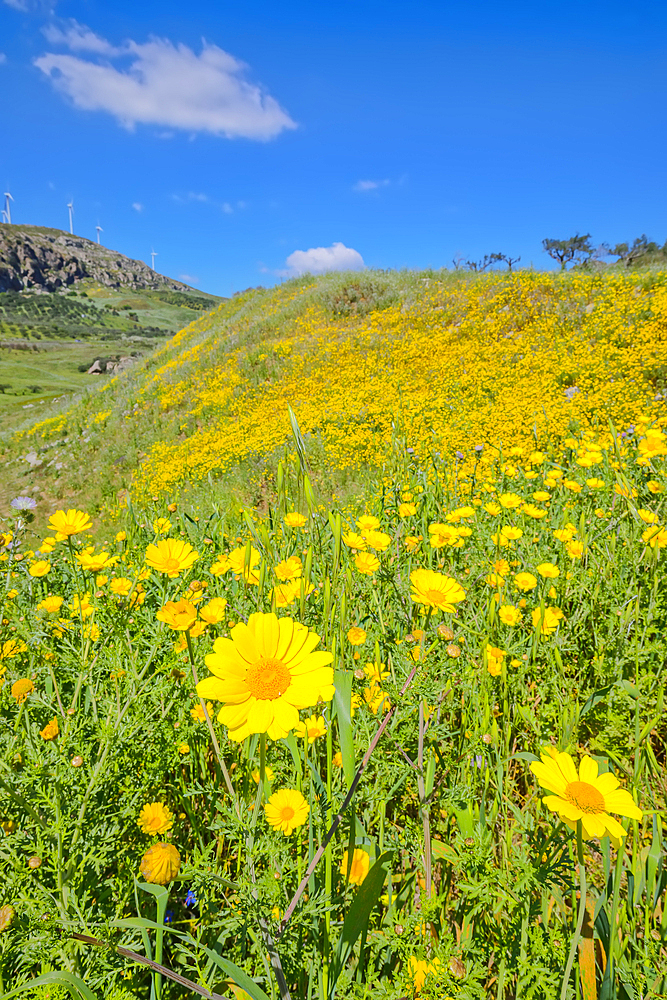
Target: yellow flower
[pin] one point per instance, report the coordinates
(72, 522)
(377, 672)
(12, 647)
(265, 673)
(155, 818)
(627, 492)
(548, 570)
(240, 567)
(572, 485)
(6, 916)
(407, 509)
(565, 534)
(160, 864)
(21, 689)
(655, 536)
(494, 580)
(575, 549)
(541, 496)
(412, 542)
(434, 590)
(180, 615)
(509, 615)
(361, 862)
(220, 566)
(356, 636)
(510, 501)
(654, 487)
(586, 796)
(377, 540)
(354, 541)
(367, 523)
(494, 660)
(366, 563)
(214, 611)
(337, 759)
(648, 517)
(269, 774)
(40, 568)
(183, 748)
(121, 536)
(420, 969)
(120, 586)
(377, 699)
(90, 632)
(91, 562)
(289, 569)
(547, 619)
(294, 520)
(286, 810)
(51, 605)
(595, 483)
(161, 526)
(197, 712)
(511, 532)
(525, 581)
(492, 508)
(533, 511)
(444, 534)
(171, 556)
(286, 593)
(312, 728)
(50, 730)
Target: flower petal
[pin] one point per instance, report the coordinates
(588, 770)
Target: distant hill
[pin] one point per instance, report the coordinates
(33, 257)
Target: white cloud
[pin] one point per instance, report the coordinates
(188, 279)
(137, 206)
(3, 57)
(79, 38)
(369, 185)
(317, 260)
(190, 196)
(164, 84)
(227, 208)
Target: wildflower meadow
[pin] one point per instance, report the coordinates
(354, 687)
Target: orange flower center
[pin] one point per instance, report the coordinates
(585, 797)
(434, 596)
(287, 813)
(268, 679)
(171, 565)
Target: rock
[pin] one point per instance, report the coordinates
(96, 368)
(49, 259)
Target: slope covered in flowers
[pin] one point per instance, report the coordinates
(178, 765)
(435, 363)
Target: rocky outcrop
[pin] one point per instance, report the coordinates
(49, 259)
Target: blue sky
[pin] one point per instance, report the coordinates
(233, 139)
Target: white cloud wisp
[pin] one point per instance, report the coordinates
(164, 84)
(318, 260)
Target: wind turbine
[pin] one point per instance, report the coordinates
(70, 205)
(153, 256)
(99, 230)
(8, 211)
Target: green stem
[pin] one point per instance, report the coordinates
(582, 911)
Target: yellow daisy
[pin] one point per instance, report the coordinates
(286, 810)
(586, 796)
(264, 674)
(435, 590)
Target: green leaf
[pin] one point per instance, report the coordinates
(343, 703)
(357, 916)
(443, 852)
(524, 755)
(76, 986)
(237, 975)
(595, 699)
(629, 689)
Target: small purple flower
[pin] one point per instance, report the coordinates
(23, 503)
(411, 451)
(191, 899)
(479, 761)
(479, 448)
(169, 917)
(460, 455)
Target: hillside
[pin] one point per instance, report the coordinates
(49, 259)
(72, 304)
(375, 365)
